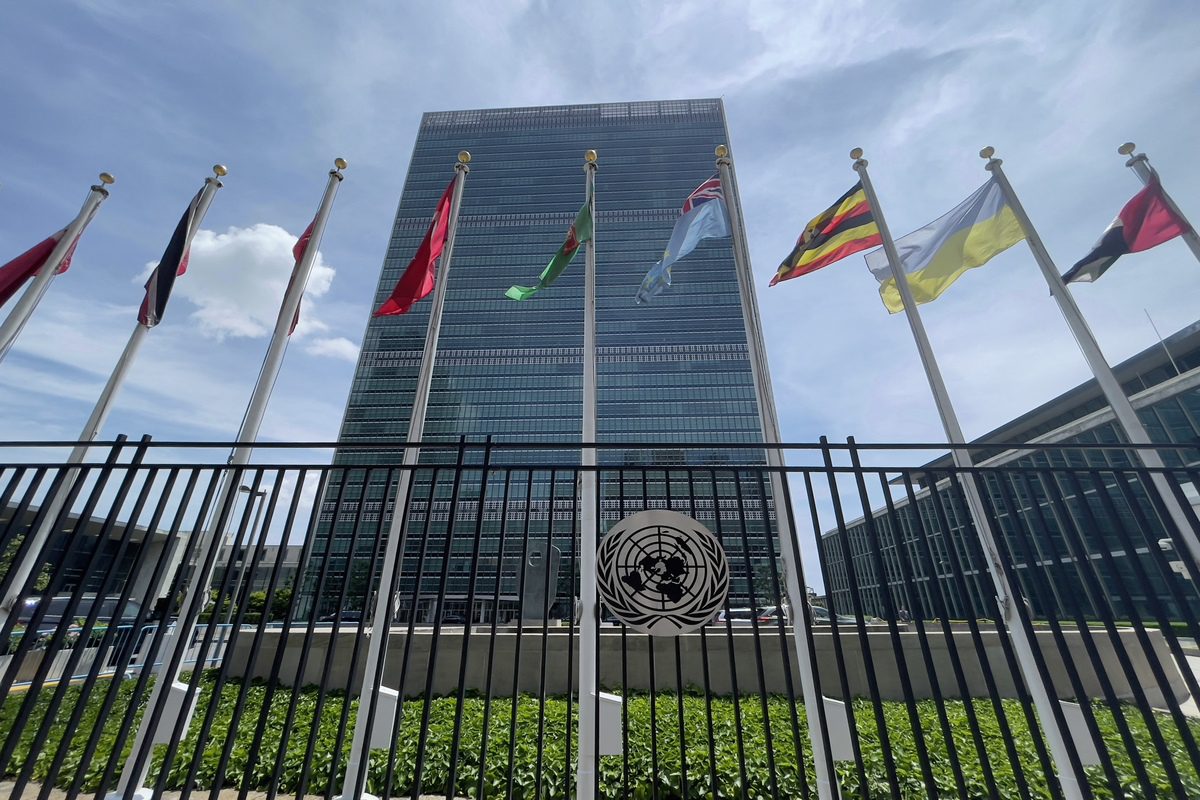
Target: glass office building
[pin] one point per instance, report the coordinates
(674, 371)
(1163, 383)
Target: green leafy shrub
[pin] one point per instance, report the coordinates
(659, 758)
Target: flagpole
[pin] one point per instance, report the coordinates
(354, 784)
(585, 779)
(133, 779)
(768, 415)
(91, 429)
(1127, 418)
(1049, 711)
(29, 300)
(1140, 165)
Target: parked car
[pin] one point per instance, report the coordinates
(772, 614)
(736, 616)
(820, 616)
(345, 615)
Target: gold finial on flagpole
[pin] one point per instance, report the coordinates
(1127, 149)
(464, 157)
(987, 152)
(107, 179)
(340, 163)
(857, 155)
(590, 156)
(220, 171)
(722, 151)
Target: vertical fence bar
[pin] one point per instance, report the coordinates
(130, 717)
(107, 640)
(541, 731)
(1038, 591)
(415, 602)
(65, 622)
(73, 479)
(783, 618)
(461, 693)
(516, 681)
(319, 599)
(284, 638)
(754, 612)
(318, 594)
(258, 529)
(856, 595)
(376, 537)
(147, 665)
(481, 787)
(889, 608)
(439, 610)
(575, 582)
(1162, 616)
(1108, 619)
(958, 571)
(909, 567)
(225, 593)
(834, 629)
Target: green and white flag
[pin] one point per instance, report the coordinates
(580, 232)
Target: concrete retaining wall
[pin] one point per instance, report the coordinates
(731, 662)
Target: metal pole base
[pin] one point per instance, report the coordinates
(173, 711)
(141, 793)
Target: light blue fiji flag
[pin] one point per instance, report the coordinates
(704, 217)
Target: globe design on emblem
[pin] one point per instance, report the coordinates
(662, 573)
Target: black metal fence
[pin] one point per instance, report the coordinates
(921, 686)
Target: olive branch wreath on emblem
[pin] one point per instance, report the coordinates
(697, 610)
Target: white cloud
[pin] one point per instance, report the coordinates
(339, 347)
(238, 278)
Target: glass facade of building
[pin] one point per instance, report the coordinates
(1166, 391)
(674, 371)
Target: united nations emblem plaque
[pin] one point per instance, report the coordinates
(662, 573)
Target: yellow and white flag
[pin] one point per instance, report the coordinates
(933, 257)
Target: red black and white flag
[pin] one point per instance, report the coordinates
(173, 264)
(418, 278)
(1146, 221)
(17, 272)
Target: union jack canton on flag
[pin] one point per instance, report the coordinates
(703, 217)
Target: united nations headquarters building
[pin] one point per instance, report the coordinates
(555, 550)
(676, 369)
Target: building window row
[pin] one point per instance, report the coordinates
(570, 116)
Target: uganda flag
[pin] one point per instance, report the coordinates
(845, 228)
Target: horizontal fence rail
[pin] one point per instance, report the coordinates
(478, 693)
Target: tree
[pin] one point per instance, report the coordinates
(41, 581)
(765, 574)
(256, 602)
(281, 601)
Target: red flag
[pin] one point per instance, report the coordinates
(298, 252)
(15, 273)
(418, 278)
(302, 243)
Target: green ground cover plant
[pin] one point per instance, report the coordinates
(751, 770)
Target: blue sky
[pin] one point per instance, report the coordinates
(157, 92)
